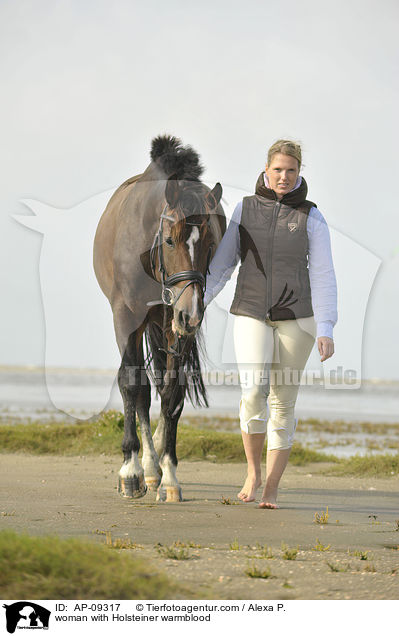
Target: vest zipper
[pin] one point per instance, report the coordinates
(276, 210)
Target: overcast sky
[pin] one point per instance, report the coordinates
(87, 85)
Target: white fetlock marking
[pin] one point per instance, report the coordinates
(150, 463)
(159, 437)
(150, 459)
(131, 467)
(168, 473)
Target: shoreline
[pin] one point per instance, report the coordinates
(109, 371)
(338, 422)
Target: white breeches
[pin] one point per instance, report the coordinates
(271, 356)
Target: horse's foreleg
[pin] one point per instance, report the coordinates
(159, 436)
(131, 475)
(152, 470)
(172, 401)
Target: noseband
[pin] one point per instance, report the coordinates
(167, 282)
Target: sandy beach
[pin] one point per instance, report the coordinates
(352, 556)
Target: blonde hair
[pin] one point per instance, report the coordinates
(286, 147)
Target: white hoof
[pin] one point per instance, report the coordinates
(169, 493)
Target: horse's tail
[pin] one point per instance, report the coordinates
(155, 364)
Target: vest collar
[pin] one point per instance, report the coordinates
(292, 199)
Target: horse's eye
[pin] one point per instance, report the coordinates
(169, 241)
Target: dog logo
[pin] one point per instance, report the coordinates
(26, 615)
(292, 227)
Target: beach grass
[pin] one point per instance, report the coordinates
(367, 466)
(344, 427)
(103, 435)
(49, 567)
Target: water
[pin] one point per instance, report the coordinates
(24, 393)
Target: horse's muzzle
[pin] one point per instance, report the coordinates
(185, 324)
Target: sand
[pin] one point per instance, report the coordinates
(77, 497)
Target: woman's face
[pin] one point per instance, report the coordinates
(282, 173)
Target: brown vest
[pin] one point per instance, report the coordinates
(273, 279)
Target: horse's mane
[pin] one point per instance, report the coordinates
(174, 158)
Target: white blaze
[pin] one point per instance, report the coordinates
(191, 241)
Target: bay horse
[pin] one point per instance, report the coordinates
(152, 250)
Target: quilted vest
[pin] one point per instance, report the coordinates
(273, 278)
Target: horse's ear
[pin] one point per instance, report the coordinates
(172, 192)
(213, 197)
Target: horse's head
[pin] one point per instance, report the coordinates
(185, 246)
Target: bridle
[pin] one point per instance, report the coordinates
(181, 345)
(168, 295)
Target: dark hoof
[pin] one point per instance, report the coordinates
(169, 493)
(133, 487)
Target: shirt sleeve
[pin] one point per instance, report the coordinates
(323, 283)
(225, 259)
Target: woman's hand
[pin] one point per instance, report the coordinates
(326, 347)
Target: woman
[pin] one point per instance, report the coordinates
(286, 295)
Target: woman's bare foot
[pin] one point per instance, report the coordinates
(269, 499)
(249, 489)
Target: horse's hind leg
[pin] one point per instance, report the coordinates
(172, 402)
(131, 475)
(152, 470)
(159, 435)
